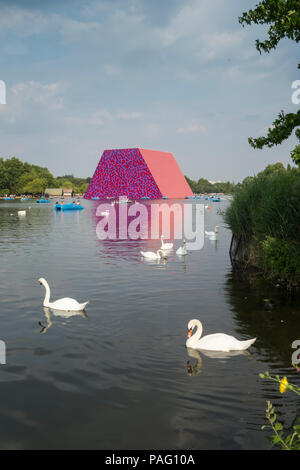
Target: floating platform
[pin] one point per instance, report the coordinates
(67, 207)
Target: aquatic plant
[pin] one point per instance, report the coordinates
(289, 440)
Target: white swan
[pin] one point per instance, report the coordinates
(212, 234)
(182, 249)
(151, 255)
(165, 246)
(66, 304)
(215, 342)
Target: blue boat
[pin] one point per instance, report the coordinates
(216, 199)
(67, 207)
(25, 198)
(8, 198)
(43, 201)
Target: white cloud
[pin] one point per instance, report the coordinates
(44, 95)
(193, 126)
(29, 101)
(129, 116)
(25, 22)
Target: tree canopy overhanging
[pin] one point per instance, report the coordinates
(283, 20)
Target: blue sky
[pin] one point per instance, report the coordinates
(181, 76)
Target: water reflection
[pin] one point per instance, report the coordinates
(130, 351)
(224, 354)
(275, 329)
(196, 368)
(160, 261)
(195, 353)
(131, 228)
(58, 313)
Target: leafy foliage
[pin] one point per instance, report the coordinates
(283, 18)
(17, 177)
(289, 440)
(265, 211)
(204, 186)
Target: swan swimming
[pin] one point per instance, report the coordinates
(214, 342)
(151, 255)
(66, 304)
(212, 234)
(182, 249)
(165, 246)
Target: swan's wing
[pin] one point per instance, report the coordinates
(219, 342)
(148, 254)
(67, 304)
(181, 251)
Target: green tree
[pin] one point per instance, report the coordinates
(4, 177)
(272, 169)
(36, 186)
(13, 171)
(83, 187)
(283, 20)
(66, 184)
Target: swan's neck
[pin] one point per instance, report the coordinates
(47, 295)
(197, 335)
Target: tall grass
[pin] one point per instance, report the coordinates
(266, 211)
(268, 205)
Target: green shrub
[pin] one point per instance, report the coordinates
(266, 212)
(267, 205)
(280, 258)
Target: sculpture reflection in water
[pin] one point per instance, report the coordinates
(57, 313)
(131, 228)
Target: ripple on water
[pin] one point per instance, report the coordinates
(124, 366)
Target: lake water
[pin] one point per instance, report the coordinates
(117, 377)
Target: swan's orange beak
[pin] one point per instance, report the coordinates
(189, 333)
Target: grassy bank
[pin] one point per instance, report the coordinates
(265, 214)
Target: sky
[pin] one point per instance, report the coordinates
(181, 76)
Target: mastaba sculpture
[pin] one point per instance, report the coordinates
(137, 173)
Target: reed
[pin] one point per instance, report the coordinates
(266, 211)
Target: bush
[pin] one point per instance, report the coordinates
(280, 258)
(265, 211)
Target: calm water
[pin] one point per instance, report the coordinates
(117, 377)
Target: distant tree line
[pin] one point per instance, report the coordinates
(203, 186)
(17, 177)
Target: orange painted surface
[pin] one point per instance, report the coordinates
(167, 174)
